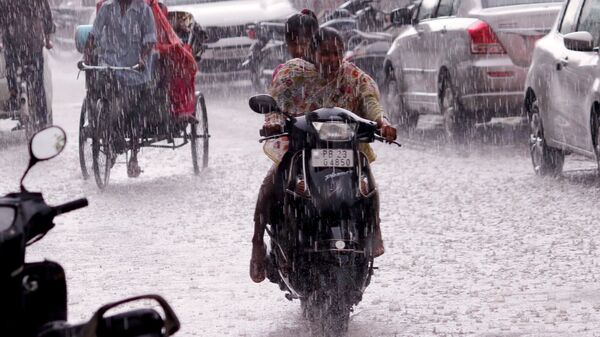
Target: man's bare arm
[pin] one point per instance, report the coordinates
(89, 49)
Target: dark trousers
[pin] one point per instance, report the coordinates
(32, 71)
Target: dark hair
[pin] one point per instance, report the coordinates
(328, 34)
(300, 25)
(310, 13)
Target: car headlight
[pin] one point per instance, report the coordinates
(7, 217)
(334, 131)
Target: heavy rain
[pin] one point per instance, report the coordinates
(300, 168)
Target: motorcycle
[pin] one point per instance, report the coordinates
(266, 52)
(321, 229)
(34, 295)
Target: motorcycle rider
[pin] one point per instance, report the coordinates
(299, 87)
(299, 30)
(26, 28)
(126, 34)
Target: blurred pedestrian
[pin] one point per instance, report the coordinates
(26, 28)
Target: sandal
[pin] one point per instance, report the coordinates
(257, 264)
(378, 248)
(133, 169)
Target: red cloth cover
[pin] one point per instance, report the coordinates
(178, 63)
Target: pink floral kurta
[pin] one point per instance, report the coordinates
(298, 89)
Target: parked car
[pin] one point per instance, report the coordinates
(464, 59)
(229, 39)
(5, 94)
(562, 96)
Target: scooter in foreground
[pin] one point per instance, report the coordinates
(34, 295)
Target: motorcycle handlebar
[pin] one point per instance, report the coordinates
(135, 323)
(70, 206)
(82, 66)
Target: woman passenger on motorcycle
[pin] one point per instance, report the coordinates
(332, 82)
(299, 30)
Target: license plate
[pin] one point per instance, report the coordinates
(332, 158)
(231, 53)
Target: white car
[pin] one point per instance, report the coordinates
(4, 93)
(227, 24)
(464, 59)
(562, 97)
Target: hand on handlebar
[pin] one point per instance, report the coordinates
(388, 132)
(270, 129)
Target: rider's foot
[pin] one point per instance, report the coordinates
(133, 168)
(257, 262)
(378, 248)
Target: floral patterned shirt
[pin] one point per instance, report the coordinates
(298, 89)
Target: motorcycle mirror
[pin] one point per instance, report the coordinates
(172, 324)
(44, 145)
(263, 104)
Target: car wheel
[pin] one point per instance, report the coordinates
(596, 134)
(457, 126)
(394, 105)
(547, 161)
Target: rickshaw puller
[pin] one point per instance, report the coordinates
(125, 34)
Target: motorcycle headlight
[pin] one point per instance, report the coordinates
(7, 217)
(334, 131)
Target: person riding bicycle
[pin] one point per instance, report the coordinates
(124, 35)
(26, 28)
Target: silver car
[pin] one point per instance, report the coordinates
(562, 96)
(464, 59)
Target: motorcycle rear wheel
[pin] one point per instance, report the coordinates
(329, 317)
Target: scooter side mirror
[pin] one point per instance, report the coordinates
(47, 143)
(44, 145)
(263, 104)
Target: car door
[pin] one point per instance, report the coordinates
(419, 45)
(556, 122)
(578, 75)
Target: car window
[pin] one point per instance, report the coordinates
(455, 7)
(445, 8)
(502, 3)
(426, 9)
(569, 19)
(589, 20)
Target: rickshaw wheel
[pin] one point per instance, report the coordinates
(101, 145)
(199, 136)
(85, 139)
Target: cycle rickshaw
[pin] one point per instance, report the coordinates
(100, 143)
